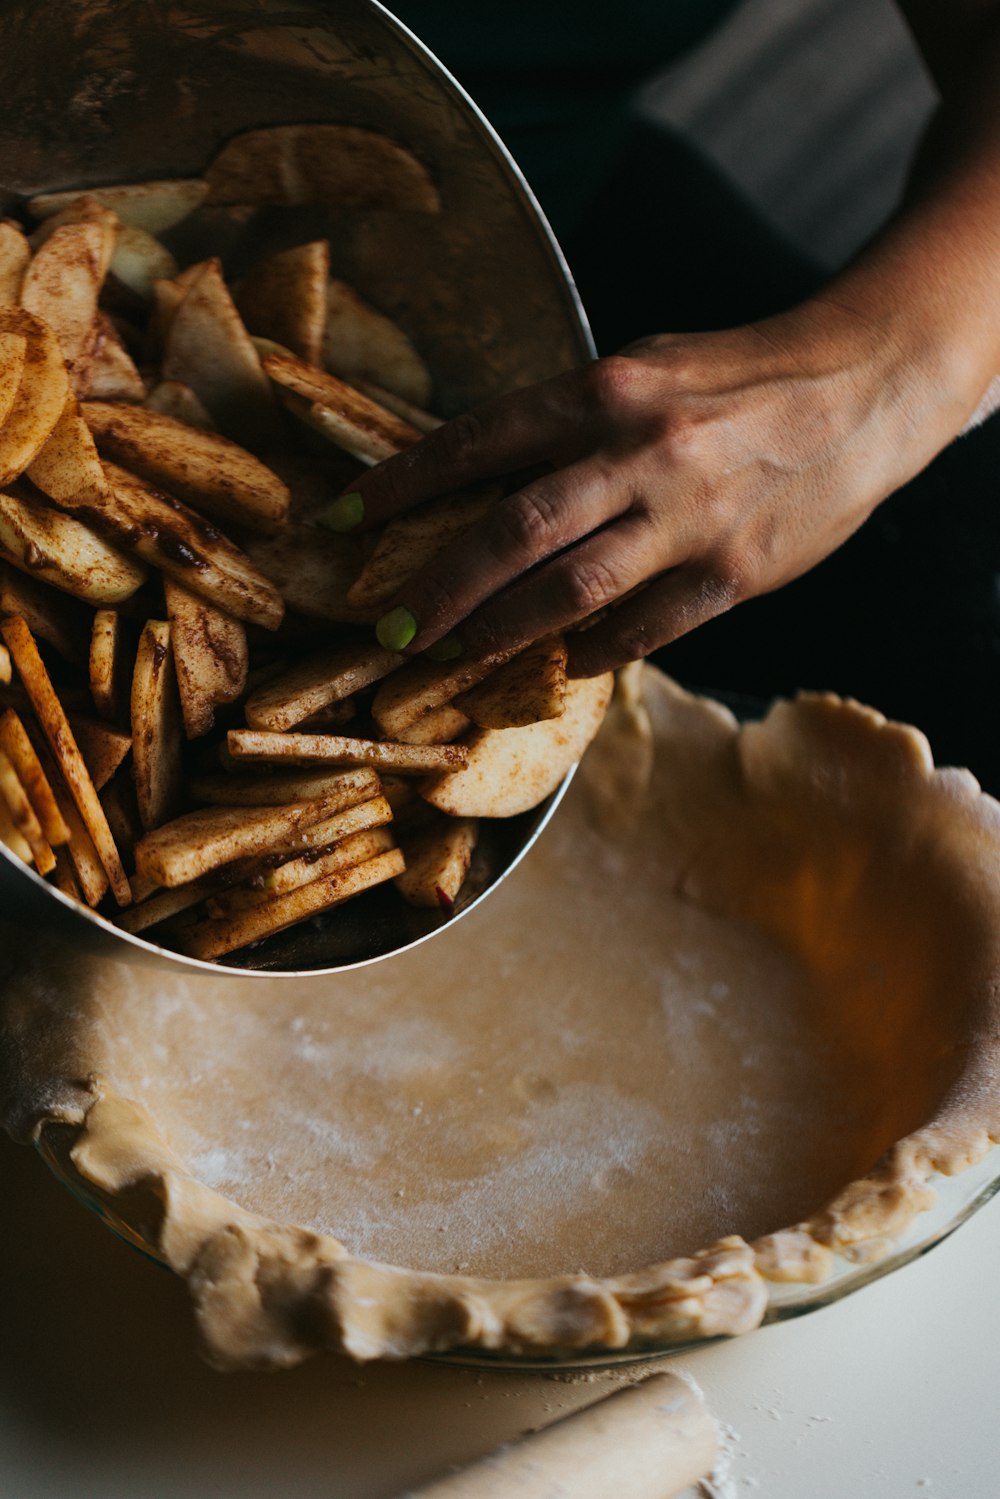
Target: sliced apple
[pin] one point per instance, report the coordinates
(203, 469)
(437, 726)
(214, 938)
(337, 749)
(53, 616)
(284, 298)
(344, 166)
(112, 375)
(103, 748)
(22, 814)
(208, 348)
(184, 546)
(173, 398)
(156, 728)
(61, 287)
(424, 421)
(198, 842)
(210, 656)
(302, 871)
(55, 726)
(342, 414)
(41, 393)
(13, 350)
(409, 541)
(362, 343)
(512, 770)
(84, 209)
(140, 260)
(109, 666)
(57, 549)
(153, 206)
(67, 468)
(15, 252)
(437, 856)
(313, 684)
(421, 686)
(528, 689)
(313, 569)
(355, 785)
(17, 746)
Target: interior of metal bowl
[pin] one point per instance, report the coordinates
(97, 94)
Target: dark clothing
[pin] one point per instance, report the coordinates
(906, 615)
(555, 78)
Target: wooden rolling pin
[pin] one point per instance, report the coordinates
(649, 1441)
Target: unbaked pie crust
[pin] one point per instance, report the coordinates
(745, 966)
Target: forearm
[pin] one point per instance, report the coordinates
(698, 470)
(929, 283)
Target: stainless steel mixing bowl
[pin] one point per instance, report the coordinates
(98, 93)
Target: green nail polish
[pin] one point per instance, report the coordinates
(448, 648)
(396, 629)
(345, 513)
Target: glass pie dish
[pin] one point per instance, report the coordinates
(720, 1052)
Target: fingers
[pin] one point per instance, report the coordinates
(666, 608)
(599, 571)
(520, 532)
(512, 432)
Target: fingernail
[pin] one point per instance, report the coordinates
(396, 629)
(448, 648)
(344, 513)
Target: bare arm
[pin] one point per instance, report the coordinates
(694, 471)
(936, 265)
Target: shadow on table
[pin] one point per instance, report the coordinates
(102, 1392)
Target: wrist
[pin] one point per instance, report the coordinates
(927, 305)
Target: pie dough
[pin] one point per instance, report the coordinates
(742, 994)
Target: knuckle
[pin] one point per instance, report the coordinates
(635, 640)
(725, 584)
(588, 585)
(682, 364)
(393, 483)
(458, 440)
(685, 435)
(483, 636)
(523, 526)
(437, 600)
(612, 382)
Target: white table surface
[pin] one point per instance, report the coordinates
(893, 1393)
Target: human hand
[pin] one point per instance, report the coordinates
(681, 477)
